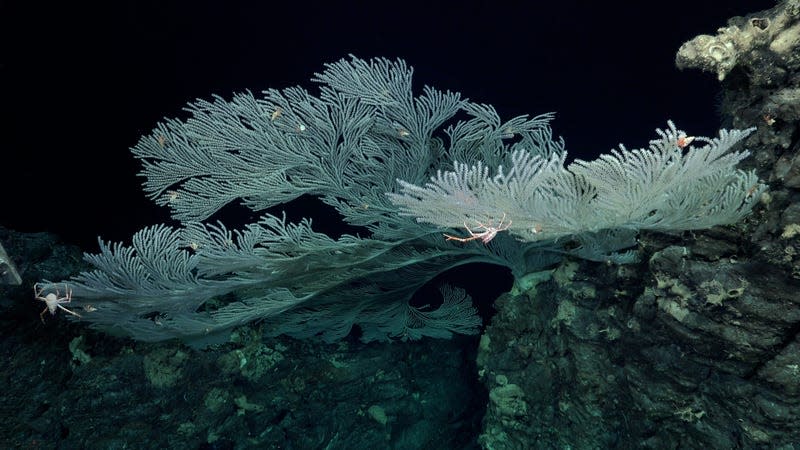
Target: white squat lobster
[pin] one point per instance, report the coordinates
(53, 300)
(485, 236)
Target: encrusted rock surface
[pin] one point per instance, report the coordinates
(698, 345)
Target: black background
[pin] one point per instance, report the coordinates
(80, 83)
